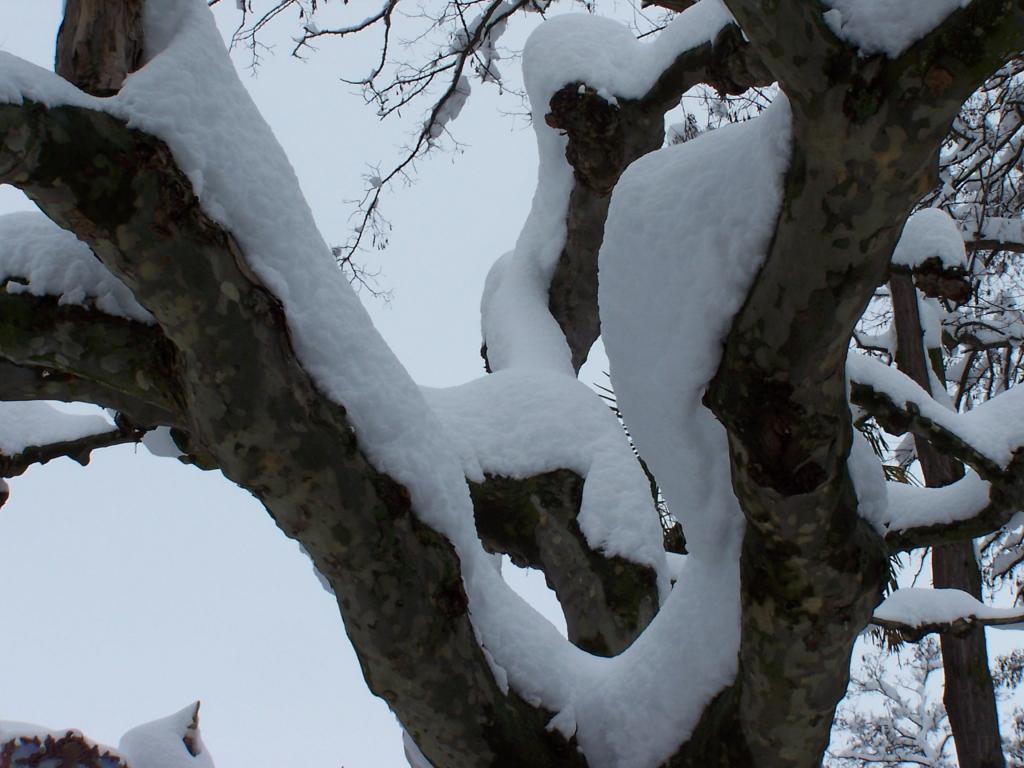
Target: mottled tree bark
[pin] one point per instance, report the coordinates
(866, 132)
(100, 43)
(969, 695)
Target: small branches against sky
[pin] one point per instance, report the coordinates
(471, 51)
(440, 53)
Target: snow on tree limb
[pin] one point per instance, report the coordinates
(274, 357)
(35, 433)
(207, 300)
(986, 437)
(69, 353)
(39, 258)
(556, 486)
(542, 297)
(915, 612)
(520, 424)
(995, 233)
(877, 26)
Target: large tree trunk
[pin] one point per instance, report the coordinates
(969, 695)
(99, 44)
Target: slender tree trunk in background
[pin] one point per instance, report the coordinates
(969, 694)
(99, 44)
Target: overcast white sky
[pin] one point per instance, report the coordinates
(133, 586)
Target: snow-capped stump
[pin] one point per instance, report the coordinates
(170, 742)
(592, 123)
(932, 247)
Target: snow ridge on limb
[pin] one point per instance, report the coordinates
(24, 425)
(664, 268)
(556, 487)
(887, 26)
(995, 233)
(662, 272)
(518, 424)
(988, 439)
(36, 432)
(930, 233)
(915, 612)
(39, 258)
(518, 327)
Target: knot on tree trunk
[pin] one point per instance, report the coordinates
(939, 281)
(593, 123)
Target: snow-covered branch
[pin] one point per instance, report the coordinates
(70, 353)
(995, 234)
(915, 612)
(986, 438)
(275, 358)
(35, 433)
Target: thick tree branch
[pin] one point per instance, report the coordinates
(85, 355)
(20, 383)
(603, 139)
(865, 140)
(607, 601)
(791, 39)
(99, 43)
(251, 406)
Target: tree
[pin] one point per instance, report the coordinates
(197, 300)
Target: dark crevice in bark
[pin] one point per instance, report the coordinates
(718, 740)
